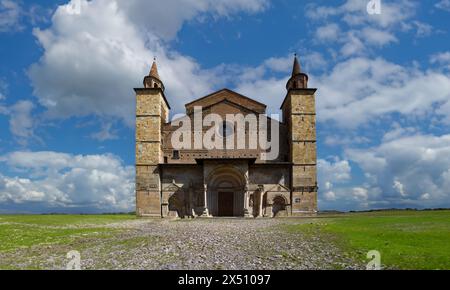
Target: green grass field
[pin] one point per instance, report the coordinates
(405, 239)
(17, 231)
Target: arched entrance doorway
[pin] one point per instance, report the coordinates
(226, 192)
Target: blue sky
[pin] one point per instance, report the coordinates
(67, 104)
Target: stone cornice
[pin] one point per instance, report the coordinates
(152, 90)
(305, 92)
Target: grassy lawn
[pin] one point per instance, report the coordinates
(405, 239)
(17, 231)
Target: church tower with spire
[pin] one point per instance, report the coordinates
(191, 181)
(153, 80)
(299, 115)
(152, 112)
(298, 80)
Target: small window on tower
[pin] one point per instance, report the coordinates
(176, 154)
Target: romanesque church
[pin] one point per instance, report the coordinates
(224, 182)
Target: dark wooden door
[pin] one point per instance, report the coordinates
(226, 201)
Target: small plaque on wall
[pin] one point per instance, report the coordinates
(303, 180)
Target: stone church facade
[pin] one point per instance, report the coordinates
(226, 182)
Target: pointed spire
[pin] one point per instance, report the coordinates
(296, 69)
(298, 80)
(153, 81)
(154, 70)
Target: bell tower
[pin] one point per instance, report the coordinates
(298, 79)
(152, 111)
(299, 114)
(153, 81)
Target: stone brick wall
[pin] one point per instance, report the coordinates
(151, 113)
(228, 103)
(299, 114)
(176, 187)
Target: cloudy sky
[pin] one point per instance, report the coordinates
(67, 105)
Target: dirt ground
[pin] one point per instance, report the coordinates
(204, 244)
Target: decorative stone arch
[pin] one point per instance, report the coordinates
(279, 204)
(227, 171)
(226, 180)
(175, 206)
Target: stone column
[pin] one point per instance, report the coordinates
(205, 201)
(261, 194)
(191, 201)
(246, 197)
(269, 210)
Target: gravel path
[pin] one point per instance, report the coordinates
(205, 244)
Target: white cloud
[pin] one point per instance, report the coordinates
(399, 187)
(106, 133)
(166, 18)
(61, 181)
(68, 83)
(444, 5)
(260, 83)
(423, 29)
(377, 37)
(355, 41)
(329, 32)
(405, 168)
(333, 171)
(358, 90)
(21, 121)
(357, 32)
(360, 193)
(93, 59)
(10, 14)
(282, 64)
(333, 140)
(330, 195)
(264, 90)
(3, 88)
(354, 13)
(14, 15)
(353, 45)
(442, 59)
(398, 131)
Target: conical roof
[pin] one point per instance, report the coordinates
(154, 71)
(296, 68)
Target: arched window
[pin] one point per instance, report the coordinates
(279, 204)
